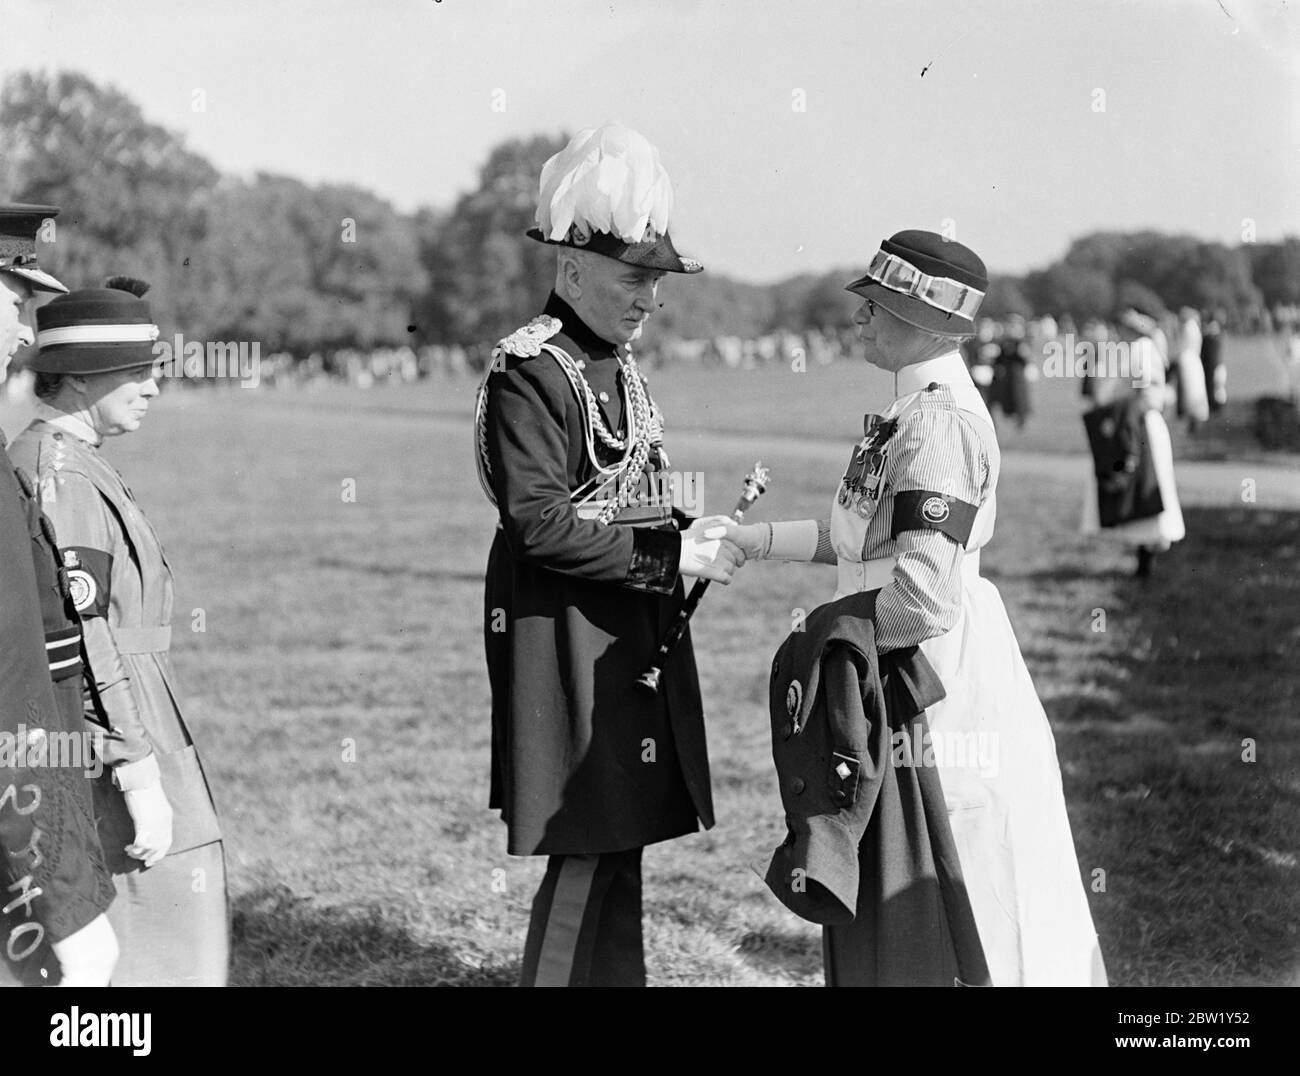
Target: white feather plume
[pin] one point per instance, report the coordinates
(607, 179)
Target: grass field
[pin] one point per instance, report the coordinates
(340, 699)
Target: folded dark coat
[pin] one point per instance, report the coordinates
(868, 825)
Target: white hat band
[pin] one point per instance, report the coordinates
(941, 292)
(98, 334)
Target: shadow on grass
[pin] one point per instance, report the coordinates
(280, 939)
(1185, 797)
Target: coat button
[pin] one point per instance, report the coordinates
(841, 795)
(787, 730)
(796, 785)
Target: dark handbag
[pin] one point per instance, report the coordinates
(1127, 488)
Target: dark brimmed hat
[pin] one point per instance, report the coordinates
(656, 253)
(926, 280)
(19, 224)
(94, 331)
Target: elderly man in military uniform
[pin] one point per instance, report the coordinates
(914, 507)
(54, 884)
(585, 572)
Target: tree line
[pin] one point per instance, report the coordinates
(314, 268)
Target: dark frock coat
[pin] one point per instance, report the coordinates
(582, 760)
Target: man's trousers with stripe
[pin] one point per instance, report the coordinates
(586, 923)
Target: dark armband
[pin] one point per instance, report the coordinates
(924, 509)
(89, 573)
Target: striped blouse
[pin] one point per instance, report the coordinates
(944, 446)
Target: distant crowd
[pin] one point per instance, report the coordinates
(1005, 358)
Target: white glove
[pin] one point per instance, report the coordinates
(152, 815)
(752, 538)
(710, 558)
(87, 958)
(705, 523)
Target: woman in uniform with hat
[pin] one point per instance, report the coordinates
(157, 821)
(914, 508)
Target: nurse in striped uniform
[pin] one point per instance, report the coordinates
(914, 508)
(157, 822)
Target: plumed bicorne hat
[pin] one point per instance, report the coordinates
(96, 330)
(926, 280)
(607, 192)
(19, 224)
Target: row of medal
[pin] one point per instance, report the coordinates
(860, 487)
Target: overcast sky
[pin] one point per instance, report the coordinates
(797, 134)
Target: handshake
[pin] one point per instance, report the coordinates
(714, 547)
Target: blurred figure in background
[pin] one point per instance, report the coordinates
(1094, 385)
(981, 352)
(1216, 373)
(1193, 401)
(1293, 362)
(1131, 495)
(1010, 379)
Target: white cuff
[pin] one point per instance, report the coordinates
(794, 539)
(133, 776)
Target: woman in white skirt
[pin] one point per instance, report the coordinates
(908, 520)
(1155, 533)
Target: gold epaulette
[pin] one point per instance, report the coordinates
(528, 340)
(524, 342)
